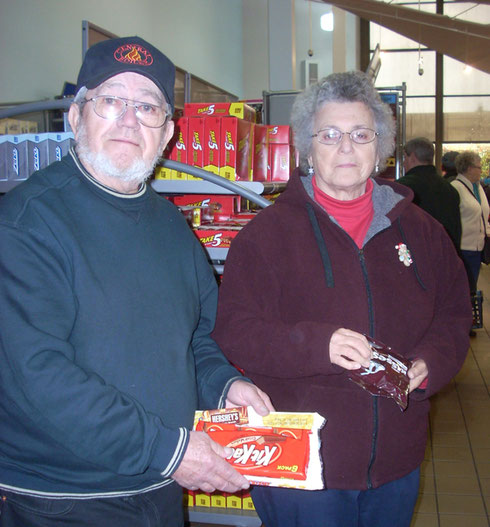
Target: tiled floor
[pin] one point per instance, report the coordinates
(455, 487)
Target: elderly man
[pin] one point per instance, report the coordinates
(431, 191)
(106, 307)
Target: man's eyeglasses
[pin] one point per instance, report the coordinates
(112, 107)
(332, 136)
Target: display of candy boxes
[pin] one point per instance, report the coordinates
(220, 109)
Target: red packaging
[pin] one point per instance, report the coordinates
(217, 235)
(279, 134)
(220, 109)
(236, 149)
(196, 140)
(274, 452)
(189, 498)
(280, 449)
(247, 502)
(212, 129)
(233, 501)
(215, 207)
(280, 162)
(260, 157)
(176, 150)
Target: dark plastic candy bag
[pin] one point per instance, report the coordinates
(386, 375)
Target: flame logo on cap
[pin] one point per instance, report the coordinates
(133, 54)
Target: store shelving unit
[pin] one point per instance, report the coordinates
(214, 184)
(175, 186)
(8, 184)
(215, 516)
(170, 186)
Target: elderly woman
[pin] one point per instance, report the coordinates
(341, 255)
(474, 210)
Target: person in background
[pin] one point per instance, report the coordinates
(486, 187)
(338, 256)
(448, 168)
(107, 302)
(431, 192)
(474, 210)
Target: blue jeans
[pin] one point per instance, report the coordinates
(390, 505)
(158, 508)
(472, 263)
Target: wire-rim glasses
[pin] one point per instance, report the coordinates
(333, 136)
(112, 108)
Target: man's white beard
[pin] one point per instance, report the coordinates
(137, 172)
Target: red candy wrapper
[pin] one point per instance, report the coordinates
(281, 449)
(386, 375)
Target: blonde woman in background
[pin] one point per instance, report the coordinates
(474, 211)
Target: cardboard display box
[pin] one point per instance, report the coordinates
(220, 109)
(177, 150)
(236, 149)
(260, 156)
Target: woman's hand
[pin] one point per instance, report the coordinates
(417, 373)
(349, 349)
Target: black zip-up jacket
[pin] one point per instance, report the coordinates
(436, 196)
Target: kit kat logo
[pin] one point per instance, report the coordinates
(133, 54)
(250, 455)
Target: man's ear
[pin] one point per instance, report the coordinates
(168, 132)
(74, 118)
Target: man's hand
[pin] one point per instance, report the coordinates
(243, 393)
(204, 467)
(349, 349)
(417, 373)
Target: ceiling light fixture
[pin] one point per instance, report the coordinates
(326, 22)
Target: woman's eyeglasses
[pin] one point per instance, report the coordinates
(332, 136)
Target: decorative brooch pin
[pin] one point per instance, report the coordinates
(404, 254)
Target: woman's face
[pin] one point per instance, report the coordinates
(473, 173)
(341, 170)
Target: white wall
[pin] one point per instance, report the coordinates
(257, 43)
(225, 42)
(321, 41)
(41, 42)
(255, 48)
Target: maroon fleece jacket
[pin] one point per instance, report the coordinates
(293, 277)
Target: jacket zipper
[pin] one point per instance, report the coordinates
(374, 437)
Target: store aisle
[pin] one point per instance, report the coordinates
(455, 487)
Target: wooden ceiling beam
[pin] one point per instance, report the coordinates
(465, 41)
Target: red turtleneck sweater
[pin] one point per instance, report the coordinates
(354, 215)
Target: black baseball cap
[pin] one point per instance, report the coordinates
(118, 55)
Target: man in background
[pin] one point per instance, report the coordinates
(448, 167)
(107, 302)
(431, 192)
